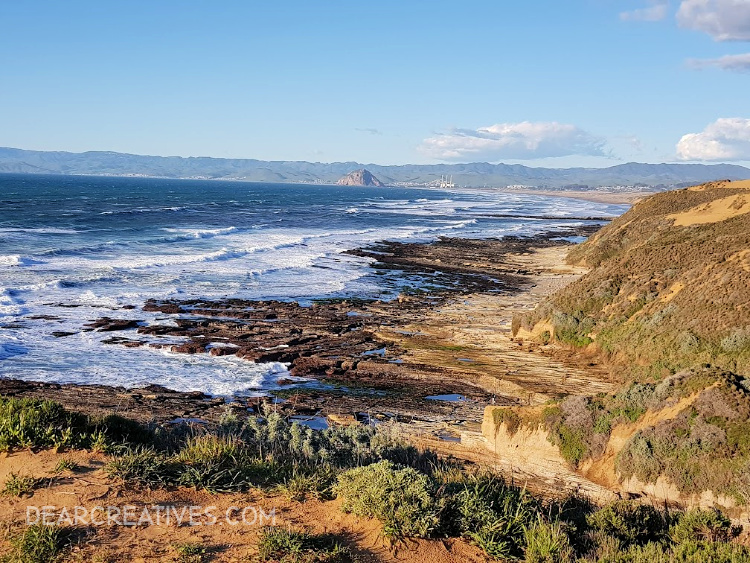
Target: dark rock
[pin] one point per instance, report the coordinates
(105, 324)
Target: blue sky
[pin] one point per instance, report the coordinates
(581, 82)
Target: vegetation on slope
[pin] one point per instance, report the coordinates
(668, 285)
(666, 302)
(413, 494)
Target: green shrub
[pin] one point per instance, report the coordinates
(34, 423)
(40, 544)
(702, 525)
(190, 552)
(629, 522)
(710, 552)
(492, 514)
(400, 497)
(547, 542)
(18, 486)
(31, 423)
(289, 546)
(572, 444)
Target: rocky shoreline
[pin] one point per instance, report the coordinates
(343, 368)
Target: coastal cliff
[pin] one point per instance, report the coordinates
(665, 306)
(667, 289)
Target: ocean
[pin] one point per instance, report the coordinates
(76, 248)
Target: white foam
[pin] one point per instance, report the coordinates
(262, 261)
(11, 260)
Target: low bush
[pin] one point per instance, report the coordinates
(20, 485)
(289, 546)
(702, 525)
(492, 514)
(630, 523)
(34, 423)
(40, 544)
(548, 542)
(402, 498)
(264, 453)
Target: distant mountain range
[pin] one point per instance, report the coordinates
(477, 174)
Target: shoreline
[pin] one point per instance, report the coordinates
(612, 197)
(454, 340)
(368, 360)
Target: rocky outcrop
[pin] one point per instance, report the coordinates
(360, 178)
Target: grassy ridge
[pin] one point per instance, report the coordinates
(666, 302)
(660, 297)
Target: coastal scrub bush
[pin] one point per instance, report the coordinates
(17, 485)
(547, 542)
(31, 423)
(263, 452)
(572, 329)
(738, 340)
(34, 423)
(290, 546)
(567, 429)
(40, 543)
(630, 522)
(702, 525)
(402, 498)
(492, 514)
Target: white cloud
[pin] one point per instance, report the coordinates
(656, 12)
(725, 139)
(513, 141)
(738, 63)
(724, 20)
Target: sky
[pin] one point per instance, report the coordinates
(536, 82)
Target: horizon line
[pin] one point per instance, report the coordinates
(677, 163)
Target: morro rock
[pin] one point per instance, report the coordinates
(359, 178)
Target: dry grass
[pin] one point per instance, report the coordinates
(661, 297)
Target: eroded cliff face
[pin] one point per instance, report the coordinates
(525, 449)
(525, 453)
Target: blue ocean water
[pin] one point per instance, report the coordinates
(74, 248)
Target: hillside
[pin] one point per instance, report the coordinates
(359, 178)
(469, 175)
(668, 288)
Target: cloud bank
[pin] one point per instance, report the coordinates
(725, 139)
(513, 141)
(724, 20)
(737, 63)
